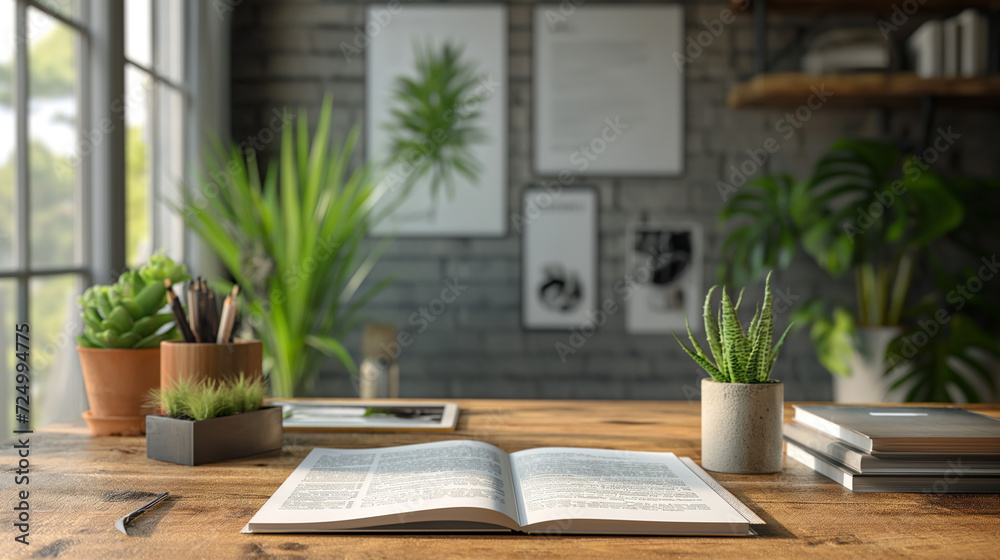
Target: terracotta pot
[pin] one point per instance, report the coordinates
(741, 426)
(118, 383)
(115, 425)
(196, 361)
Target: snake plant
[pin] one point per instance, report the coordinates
(129, 313)
(739, 357)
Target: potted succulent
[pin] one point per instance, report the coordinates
(206, 422)
(119, 348)
(742, 408)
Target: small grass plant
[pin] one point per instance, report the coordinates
(737, 356)
(208, 399)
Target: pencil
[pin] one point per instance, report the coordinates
(225, 323)
(212, 313)
(204, 313)
(179, 318)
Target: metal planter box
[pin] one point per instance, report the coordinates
(195, 442)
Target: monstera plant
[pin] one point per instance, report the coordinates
(949, 346)
(866, 211)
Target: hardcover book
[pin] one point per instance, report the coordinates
(829, 447)
(956, 481)
(461, 485)
(879, 429)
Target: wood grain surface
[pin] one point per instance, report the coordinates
(81, 485)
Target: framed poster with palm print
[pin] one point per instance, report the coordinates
(436, 118)
(559, 257)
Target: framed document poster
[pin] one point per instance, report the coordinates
(466, 195)
(608, 96)
(559, 258)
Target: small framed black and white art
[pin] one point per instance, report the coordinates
(559, 257)
(664, 260)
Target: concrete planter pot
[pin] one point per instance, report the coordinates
(741, 426)
(195, 442)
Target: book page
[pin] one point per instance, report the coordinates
(357, 488)
(560, 488)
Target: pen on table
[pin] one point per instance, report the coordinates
(179, 317)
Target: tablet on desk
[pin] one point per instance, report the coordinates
(369, 415)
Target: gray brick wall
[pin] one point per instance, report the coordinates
(286, 54)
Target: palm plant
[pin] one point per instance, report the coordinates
(739, 357)
(292, 240)
(435, 120)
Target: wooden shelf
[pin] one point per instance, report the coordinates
(863, 90)
(859, 6)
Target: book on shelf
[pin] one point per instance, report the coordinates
(973, 43)
(462, 485)
(957, 480)
(925, 47)
(886, 429)
(829, 447)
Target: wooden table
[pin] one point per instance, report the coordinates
(81, 485)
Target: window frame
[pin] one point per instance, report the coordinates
(23, 271)
(99, 188)
(159, 213)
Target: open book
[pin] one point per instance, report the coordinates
(465, 485)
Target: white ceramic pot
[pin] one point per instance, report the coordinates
(867, 382)
(741, 426)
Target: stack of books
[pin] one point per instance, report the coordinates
(894, 449)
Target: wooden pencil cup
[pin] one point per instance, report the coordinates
(197, 361)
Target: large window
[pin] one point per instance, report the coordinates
(59, 108)
(156, 95)
(44, 249)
